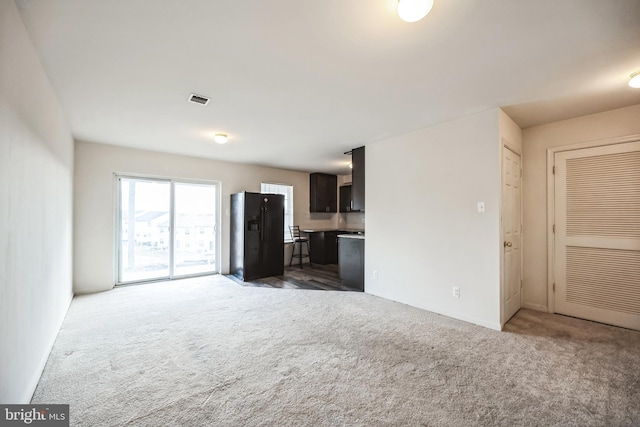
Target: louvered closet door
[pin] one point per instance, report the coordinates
(597, 239)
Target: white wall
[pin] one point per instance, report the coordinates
(36, 167)
(424, 235)
(94, 224)
(351, 221)
(536, 141)
(510, 132)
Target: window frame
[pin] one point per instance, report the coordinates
(217, 242)
(287, 191)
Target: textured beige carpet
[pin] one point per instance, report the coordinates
(208, 351)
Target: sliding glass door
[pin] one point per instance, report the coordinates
(195, 229)
(166, 229)
(144, 220)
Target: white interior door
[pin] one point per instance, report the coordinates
(597, 237)
(512, 234)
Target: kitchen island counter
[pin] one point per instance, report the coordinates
(351, 236)
(340, 230)
(324, 244)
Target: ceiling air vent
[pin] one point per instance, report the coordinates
(198, 99)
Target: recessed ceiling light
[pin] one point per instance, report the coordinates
(414, 10)
(199, 99)
(221, 138)
(634, 80)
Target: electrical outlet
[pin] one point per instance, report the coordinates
(456, 292)
(375, 274)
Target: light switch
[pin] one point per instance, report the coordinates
(481, 207)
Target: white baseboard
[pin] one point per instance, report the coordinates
(453, 315)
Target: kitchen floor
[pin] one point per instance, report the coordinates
(318, 277)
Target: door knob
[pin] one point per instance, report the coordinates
(507, 244)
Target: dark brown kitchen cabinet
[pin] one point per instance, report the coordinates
(357, 179)
(324, 247)
(323, 192)
(351, 262)
(345, 198)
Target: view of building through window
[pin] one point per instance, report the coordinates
(146, 241)
(195, 225)
(287, 192)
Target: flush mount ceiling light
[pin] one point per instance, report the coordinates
(414, 10)
(221, 138)
(634, 80)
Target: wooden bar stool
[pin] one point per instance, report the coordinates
(298, 240)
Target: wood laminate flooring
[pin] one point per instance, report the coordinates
(318, 277)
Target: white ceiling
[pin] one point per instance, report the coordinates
(296, 83)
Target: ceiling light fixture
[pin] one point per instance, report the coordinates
(414, 10)
(348, 153)
(221, 138)
(634, 80)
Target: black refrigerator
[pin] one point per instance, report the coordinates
(257, 235)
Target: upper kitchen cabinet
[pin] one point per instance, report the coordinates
(345, 198)
(357, 179)
(323, 192)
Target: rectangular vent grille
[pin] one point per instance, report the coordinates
(199, 99)
(604, 278)
(603, 195)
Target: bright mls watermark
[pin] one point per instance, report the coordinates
(34, 415)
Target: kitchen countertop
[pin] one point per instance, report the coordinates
(322, 230)
(351, 236)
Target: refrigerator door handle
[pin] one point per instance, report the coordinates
(262, 223)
